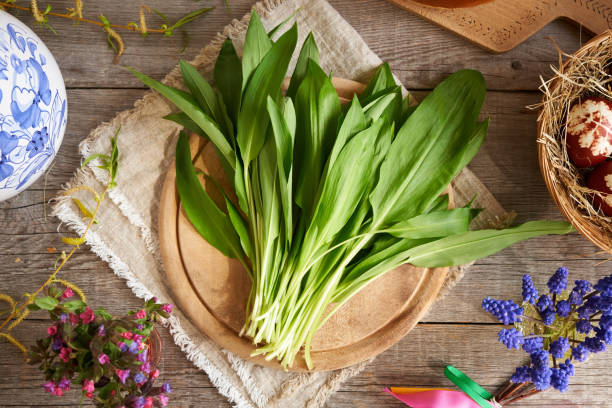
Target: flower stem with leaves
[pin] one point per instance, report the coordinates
(114, 39)
(17, 311)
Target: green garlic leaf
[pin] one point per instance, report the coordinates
(433, 225)
(427, 152)
(382, 79)
(210, 222)
(283, 142)
(189, 106)
(228, 79)
(185, 121)
(308, 52)
(473, 245)
(256, 46)
(267, 78)
(317, 110)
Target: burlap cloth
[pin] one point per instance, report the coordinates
(126, 236)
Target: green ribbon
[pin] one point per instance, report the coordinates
(468, 386)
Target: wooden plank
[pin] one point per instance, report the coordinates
(420, 61)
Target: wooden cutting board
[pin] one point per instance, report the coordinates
(501, 25)
(212, 290)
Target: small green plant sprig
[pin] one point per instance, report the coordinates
(17, 311)
(115, 41)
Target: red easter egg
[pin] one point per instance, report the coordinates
(589, 132)
(600, 179)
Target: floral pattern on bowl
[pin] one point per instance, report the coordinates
(32, 106)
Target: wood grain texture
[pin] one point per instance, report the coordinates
(455, 331)
(501, 25)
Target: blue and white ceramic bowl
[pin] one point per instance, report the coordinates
(32, 106)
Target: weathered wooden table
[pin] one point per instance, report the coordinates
(455, 332)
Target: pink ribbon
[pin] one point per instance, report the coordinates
(432, 398)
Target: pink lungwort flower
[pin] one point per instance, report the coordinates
(49, 386)
(87, 316)
(64, 384)
(167, 308)
(163, 400)
(58, 392)
(141, 314)
(155, 374)
(123, 375)
(127, 335)
(68, 293)
(88, 386)
(103, 359)
(64, 354)
(148, 402)
(51, 331)
(74, 319)
(146, 367)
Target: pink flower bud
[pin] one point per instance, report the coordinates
(127, 335)
(51, 331)
(88, 386)
(103, 359)
(167, 308)
(87, 316)
(163, 400)
(64, 354)
(155, 374)
(74, 319)
(68, 293)
(141, 314)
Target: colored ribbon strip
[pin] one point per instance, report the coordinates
(471, 395)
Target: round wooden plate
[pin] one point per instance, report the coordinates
(212, 290)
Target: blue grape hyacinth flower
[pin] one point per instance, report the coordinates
(506, 311)
(530, 293)
(558, 282)
(511, 338)
(556, 329)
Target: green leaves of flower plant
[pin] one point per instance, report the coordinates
(46, 302)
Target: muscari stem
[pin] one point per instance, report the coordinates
(520, 397)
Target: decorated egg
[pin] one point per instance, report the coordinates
(589, 132)
(600, 179)
(32, 106)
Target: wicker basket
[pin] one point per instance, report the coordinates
(588, 221)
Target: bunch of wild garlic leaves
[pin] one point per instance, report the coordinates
(329, 197)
